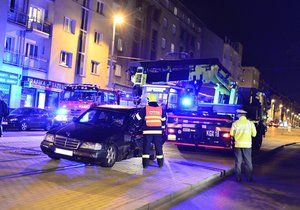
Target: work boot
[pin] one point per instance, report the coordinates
(250, 178)
(145, 162)
(160, 162)
(238, 178)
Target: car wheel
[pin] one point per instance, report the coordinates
(24, 126)
(111, 156)
(53, 157)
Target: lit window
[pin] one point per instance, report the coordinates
(69, 25)
(198, 45)
(188, 20)
(172, 47)
(118, 71)
(95, 67)
(120, 45)
(100, 7)
(174, 29)
(65, 59)
(165, 22)
(175, 11)
(98, 37)
(163, 43)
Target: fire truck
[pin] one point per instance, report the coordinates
(201, 100)
(77, 98)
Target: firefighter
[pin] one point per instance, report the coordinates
(154, 119)
(243, 130)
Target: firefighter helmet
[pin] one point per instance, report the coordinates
(152, 97)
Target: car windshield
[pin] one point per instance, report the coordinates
(103, 117)
(79, 95)
(21, 111)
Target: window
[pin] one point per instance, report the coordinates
(118, 70)
(69, 25)
(98, 37)
(198, 45)
(175, 11)
(174, 29)
(35, 14)
(100, 7)
(65, 59)
(165, 22)
(9, 43)
(172, 47)
(163, 43)
(95, 67)
(31, 50)
(120, 45)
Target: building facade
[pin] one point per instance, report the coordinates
(248, 77)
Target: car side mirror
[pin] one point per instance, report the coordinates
(74, 119)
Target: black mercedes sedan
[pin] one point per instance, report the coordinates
(102, 135)
(28, 118)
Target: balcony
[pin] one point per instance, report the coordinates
(16, 59)
(12, 58)
(40, 26)
(35, 63)
(17, 17)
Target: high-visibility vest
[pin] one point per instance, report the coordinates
(153, 116)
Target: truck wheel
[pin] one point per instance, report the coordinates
(111, 157)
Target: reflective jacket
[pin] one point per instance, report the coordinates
(154, 119)
(243, 130)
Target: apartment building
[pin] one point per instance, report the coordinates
(248, 76)
(154, 30)
(48, 44)
(232, 57)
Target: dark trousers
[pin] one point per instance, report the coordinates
(156, 139)
(243, 154)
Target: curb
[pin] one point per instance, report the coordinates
(203, 184)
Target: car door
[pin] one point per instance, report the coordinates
(43, 118)
(32, 118)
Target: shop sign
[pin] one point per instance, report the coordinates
(31, 82)
(9, 78)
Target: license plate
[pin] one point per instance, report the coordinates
(210, 133)
(63, 152)
(4, 123)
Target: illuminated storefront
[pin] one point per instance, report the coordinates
(40, 93)
(7, 83)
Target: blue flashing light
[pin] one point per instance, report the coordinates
(62, 111)
(187, 101)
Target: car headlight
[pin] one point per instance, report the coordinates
(13, 119)
(61, 118)
(49, 138)
(62, 111)
(90, 145)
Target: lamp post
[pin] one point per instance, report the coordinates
(273, 109)
(281, 114)
(118, 19)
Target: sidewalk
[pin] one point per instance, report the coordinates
(126, 186)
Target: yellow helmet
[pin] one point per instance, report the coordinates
(152, 97)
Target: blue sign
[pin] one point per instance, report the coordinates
(9, 78)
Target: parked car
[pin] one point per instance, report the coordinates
(102, 135)
(28, 118)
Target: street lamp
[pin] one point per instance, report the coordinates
(118, 19)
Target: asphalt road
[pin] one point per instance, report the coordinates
(276, 185)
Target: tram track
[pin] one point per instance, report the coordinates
(40, 171)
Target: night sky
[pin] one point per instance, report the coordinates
(269, 31)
